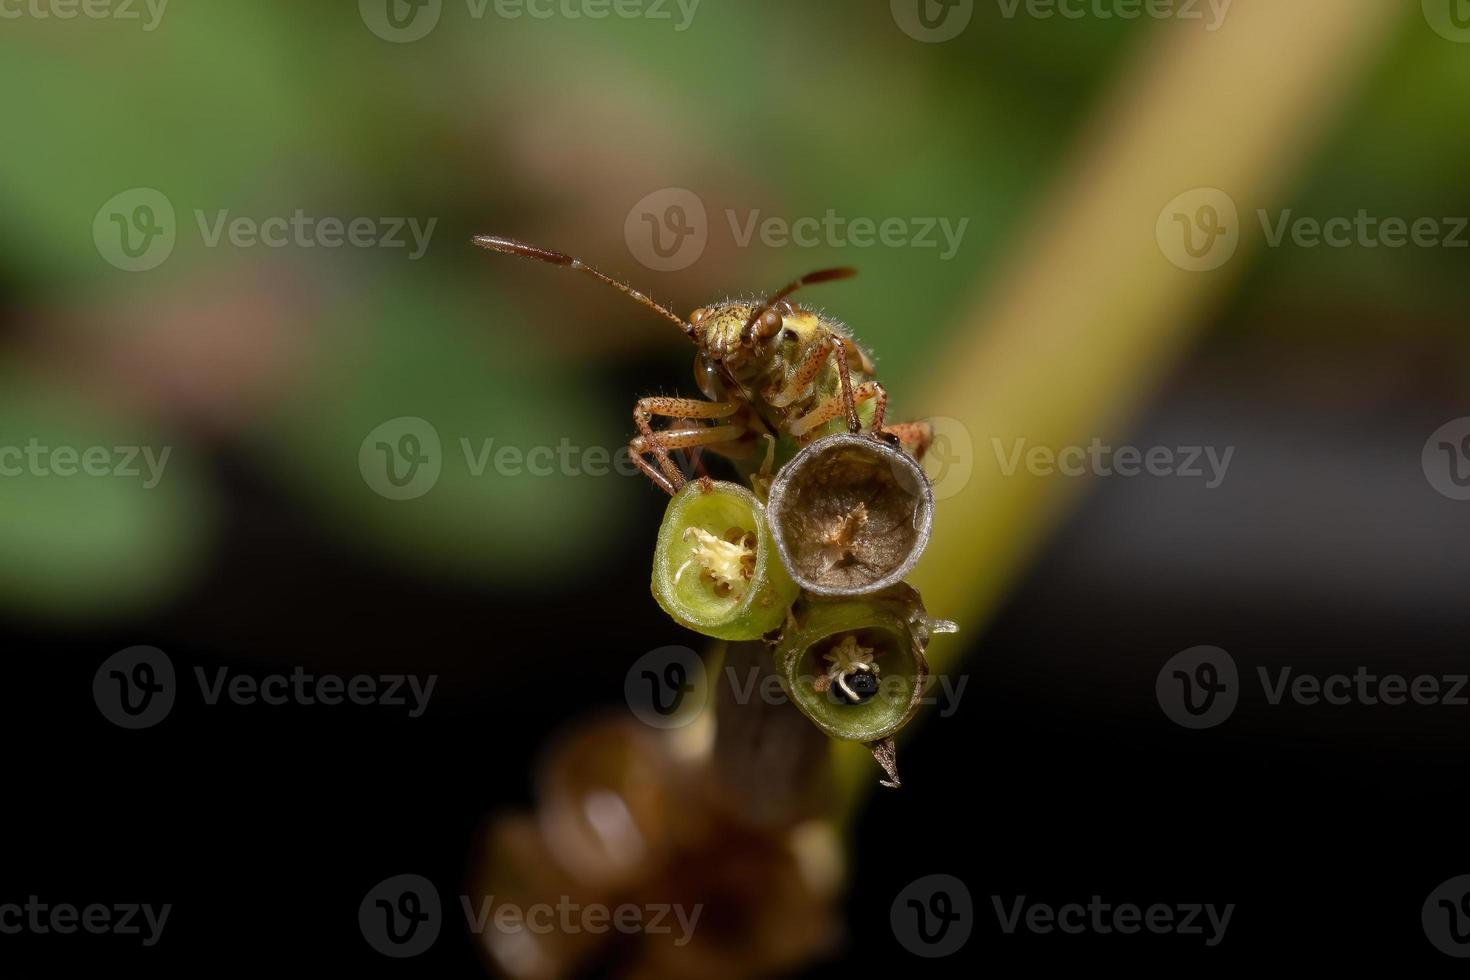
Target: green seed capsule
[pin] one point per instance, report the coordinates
(856, 667)
(715, 568)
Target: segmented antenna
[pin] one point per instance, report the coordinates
(810, 279)
(510, 246)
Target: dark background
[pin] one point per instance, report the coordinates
(1058, 778)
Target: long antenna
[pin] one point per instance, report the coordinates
(510, 246)
(810, 279)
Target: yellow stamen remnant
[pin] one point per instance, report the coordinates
(725, 564)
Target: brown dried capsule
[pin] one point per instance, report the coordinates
(850, 515)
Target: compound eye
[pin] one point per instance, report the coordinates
(770, 324)
(698, 316)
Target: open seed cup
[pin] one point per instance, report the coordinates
(850, 515)
(856, 667)
(715, 568)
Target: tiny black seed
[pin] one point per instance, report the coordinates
(862, 683)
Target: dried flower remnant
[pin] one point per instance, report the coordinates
(854, 672)
(763, 883)
(725, 564)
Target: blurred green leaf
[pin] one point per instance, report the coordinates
(84, 544)
(422, 348)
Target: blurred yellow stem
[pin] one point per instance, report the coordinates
(1072, 336)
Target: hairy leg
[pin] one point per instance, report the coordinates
(914, 437)
(833, 406)
(801, 378)
(670, 479)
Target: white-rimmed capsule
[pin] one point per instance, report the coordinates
(850, 515)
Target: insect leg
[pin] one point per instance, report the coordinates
(658, 478)
(844, 378)
(801, 377)
(880, 408)
(700, 435)
(914, 437)
(713, 436)
(655, 442)
(685, 408)
(833, 406)
(672, 478)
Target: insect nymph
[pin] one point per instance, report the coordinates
(810, 559)
(770, 370)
